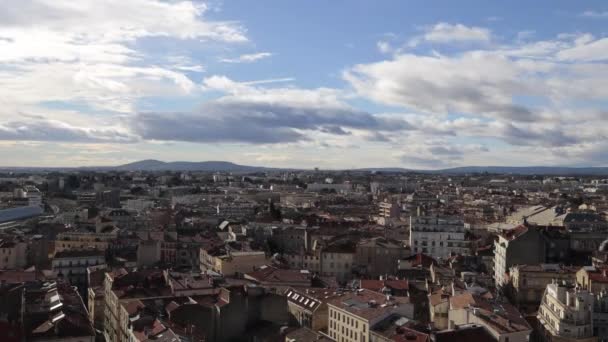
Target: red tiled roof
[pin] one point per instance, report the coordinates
(269, 274)
(515, 232)
(378, 285)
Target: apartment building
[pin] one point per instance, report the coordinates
(229, 263)
(389, 210)
(72, 264)
(522, 245)
(439, 237)
(55, 312)
(352, 315)
(503, 321)
(378, 256)
(83, 240)
(566, 314)
(338, 260)
(308, 306)
(593, 278)
(13, 254)
(528, 282)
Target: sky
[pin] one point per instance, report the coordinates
(316, 83)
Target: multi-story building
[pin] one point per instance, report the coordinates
(338, 259)
(352, 315)
(72, 264)
(439, 237)
(83, 240)
(54, 312)
(191, 307)
(528, 282)
(439, 308)
(238, 208)
(13, 254)
(566, 314)
(308, 307)
(139, 204)
(600, 316)
(378, 256)
(229, 263)
(388, 210)
(592, 278)
(522, 245)
(503, 321)
(307, 261)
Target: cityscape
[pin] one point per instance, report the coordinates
(303, 171)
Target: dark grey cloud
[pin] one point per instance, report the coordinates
(257, 123)
(46, 130)
(526, 136)
(426, 162)
(445, 151)
(332, 129)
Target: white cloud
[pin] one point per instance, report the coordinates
(595, 14)
(247, 58)
(89, 53)
(545, 95)
(384, 46)
(454, 33)
(586, 49)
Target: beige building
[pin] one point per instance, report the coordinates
(83, 240)
(353, 314)
(308, 307)
(439, 308)
(566, 314)
(388, 209)
(530, 281)
(232, 262)
(592, 278)
(12, 254)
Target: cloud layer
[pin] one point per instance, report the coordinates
(98, 73)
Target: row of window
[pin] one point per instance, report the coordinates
(346, 319)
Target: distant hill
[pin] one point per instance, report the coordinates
(528, 170)
(157, 165)
(514, 170)
(211, 166)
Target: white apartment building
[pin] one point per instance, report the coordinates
(439, 237)
(566, 313)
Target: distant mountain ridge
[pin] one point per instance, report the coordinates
(224, 166)
(157, 165)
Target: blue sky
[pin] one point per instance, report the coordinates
(333, 84)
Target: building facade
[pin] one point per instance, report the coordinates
(439, 237)
(566, 314)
